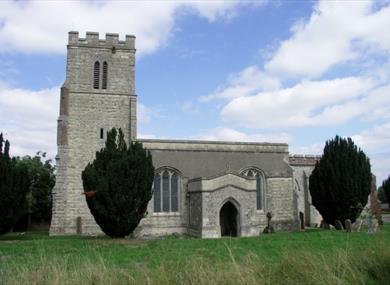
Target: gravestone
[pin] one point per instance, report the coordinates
(269, 229)
(78, 226)
(324, 225)
(348, 226)
(338, 225)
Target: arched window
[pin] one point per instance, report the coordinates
(252, 172)
(96, 75)
(166, 191)
(104, 80)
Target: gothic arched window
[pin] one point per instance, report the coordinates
(105, 70)
(166, 191)
(96, 75)
(260, 185)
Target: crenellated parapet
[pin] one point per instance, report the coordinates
(303, 160)
(92, 40)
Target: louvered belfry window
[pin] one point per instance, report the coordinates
(96, 75)
(105, 70)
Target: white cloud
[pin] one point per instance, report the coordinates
(247, 82)
(375, 143)
(188, 107)
(228, 134)
(337, 32)
(305, 104)
(144, 114)
(41, 26)
(313, 149)
(29, 119)
(375, 139)
(380, 166)
(146, 136)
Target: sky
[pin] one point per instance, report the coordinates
(297, 72)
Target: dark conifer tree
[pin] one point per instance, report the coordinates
(118, 185)
(14, 185)
(341, 181)
(386, 189)
(381, 193)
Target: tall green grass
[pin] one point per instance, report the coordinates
(368, 265)
(310, 257)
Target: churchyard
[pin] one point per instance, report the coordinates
(313, 256)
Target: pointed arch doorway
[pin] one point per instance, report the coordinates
(229, 220)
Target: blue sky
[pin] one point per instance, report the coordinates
(280, 71)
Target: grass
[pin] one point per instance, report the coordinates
(310, 257)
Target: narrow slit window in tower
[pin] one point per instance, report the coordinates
(101, 133)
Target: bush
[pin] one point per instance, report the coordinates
(341, 181)
(118, 185)
(14, 185)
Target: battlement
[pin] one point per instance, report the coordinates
(92, 40)
(303, 160)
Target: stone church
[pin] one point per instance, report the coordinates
(202, 188)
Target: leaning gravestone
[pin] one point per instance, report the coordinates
(338, 225)
(348, 226)
(324, 225)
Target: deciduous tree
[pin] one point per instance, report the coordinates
(42, 179)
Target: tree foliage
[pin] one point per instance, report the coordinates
(386, 189)
(14, 185)
(42, 179)
(341, 181)
(118, 185)
(381, 195)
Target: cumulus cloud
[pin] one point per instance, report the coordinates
(41, 26)
(374, 139)
(375, 143)
(305, 104)
(29, 119)
(229, 134)
(247, 82)
(337, 32)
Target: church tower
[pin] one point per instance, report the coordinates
(98, 94)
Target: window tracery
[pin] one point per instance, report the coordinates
(166, 187)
